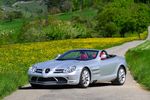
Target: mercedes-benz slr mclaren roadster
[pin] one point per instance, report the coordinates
(79, 67)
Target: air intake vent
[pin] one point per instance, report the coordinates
(59, 70)
(38, 70)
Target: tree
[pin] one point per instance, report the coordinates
(8, 2)
(110, 29)
(142, 1)
(127, 16)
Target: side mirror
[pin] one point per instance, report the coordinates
(58, 56)
(103, 57)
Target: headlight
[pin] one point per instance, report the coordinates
(33, 68)
(70, 69)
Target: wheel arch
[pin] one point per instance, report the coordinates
(123, 66)
(89, 72)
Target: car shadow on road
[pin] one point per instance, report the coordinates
(58, 87)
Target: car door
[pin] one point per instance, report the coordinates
(107, 66)
(95, 69)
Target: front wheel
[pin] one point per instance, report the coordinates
(121, 77)
(84, 78)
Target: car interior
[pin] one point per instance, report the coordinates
(104, 55)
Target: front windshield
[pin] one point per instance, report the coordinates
(79, 55)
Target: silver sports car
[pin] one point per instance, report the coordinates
(79, 67)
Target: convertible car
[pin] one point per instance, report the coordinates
(79, 67)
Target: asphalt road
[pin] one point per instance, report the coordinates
(100, 91)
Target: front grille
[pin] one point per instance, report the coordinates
(59, 70)
(33, 78)
(49, 79)
(38, 70)
(61, 80)
(46, 79)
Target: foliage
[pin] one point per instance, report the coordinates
(10, 30)
(8, 2)
(41, 29)
(31, 8)
(126, 15)
(84, 21)
(17, 58)
(51, 29)
(10, 15)
(140, 67)
(109, 29)
(88, 13)
(142, 1)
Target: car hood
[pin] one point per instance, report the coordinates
(57, 64)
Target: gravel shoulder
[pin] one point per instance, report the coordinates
(131, 90)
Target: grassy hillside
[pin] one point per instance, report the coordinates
(88, 13)
(10, 30)
(139, 64)
(23, 30)
(16, 59)
(59, 26)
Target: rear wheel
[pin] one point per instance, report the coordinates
(84, 78)
(121, 77)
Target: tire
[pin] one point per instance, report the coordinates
(84, 78)
(35, 86)
(121, 77)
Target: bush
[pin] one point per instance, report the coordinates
(82, 20)
(33, 8)
(10, 15)
(126, 15)
(109, 29)
(140, 67)
(66, 6)
(10, 30)
(52, 29)
(54, 10)
(1, 14)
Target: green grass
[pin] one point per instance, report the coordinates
(142, 35)
(139, 64)
(10, 30)
(15, 59)
(88, 13)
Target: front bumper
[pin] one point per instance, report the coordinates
(54, 79)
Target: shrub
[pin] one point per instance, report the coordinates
(54, 10)
(110, 29)
(126, 15)
(66, 6)
(10, 30)
(140, 67)
(1, 14)
(51, 29)
(33, 8)
(10, 15)
(82, 20)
